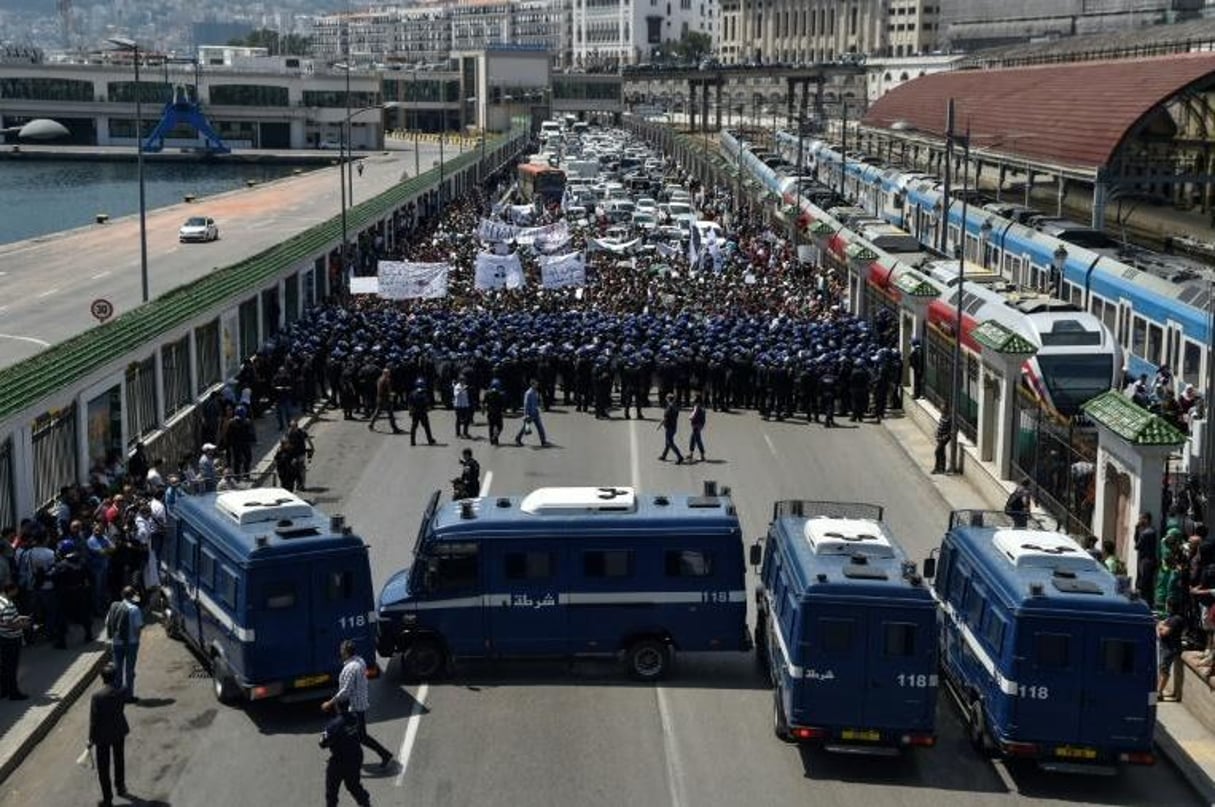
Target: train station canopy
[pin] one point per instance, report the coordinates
(1076, 114)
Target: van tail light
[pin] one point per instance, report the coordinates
(1139, 758)
(1020, 749)
(264, 691)
(808, 733)
(919, 740)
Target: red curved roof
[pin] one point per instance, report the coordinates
(1074, 114)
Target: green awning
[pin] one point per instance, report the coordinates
(995, 336)
(1132, 422)
(913, 284)
(860, 252)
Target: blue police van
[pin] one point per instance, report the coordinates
(1050, 657)
(265, 587)
(846, 629)
(569, 571)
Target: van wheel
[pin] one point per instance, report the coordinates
(648, 660)
(173, 626)
(780, 724)
(222, 682)
(976, 729)
(423, 659)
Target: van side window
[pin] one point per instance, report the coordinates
(226, 586)
(688, 563)
(974, 605)
(339, 585)
(945, 568)
(957, 584)
(454, 566)
(837, 635)
(993, 630)
(1117, 656)
(1052, 651)
(280, 595)
(529, 565)
(899, 639)
(188, 544)
(607, 563)
(206, 569)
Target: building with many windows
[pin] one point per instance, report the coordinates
(606, 34)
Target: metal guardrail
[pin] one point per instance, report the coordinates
(24, 384)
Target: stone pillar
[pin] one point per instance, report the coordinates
(720, 81)
(1003, 353)
(1100, 194)
(704, 106)
(692, 104)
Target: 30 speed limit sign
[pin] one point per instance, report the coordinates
(102, 309)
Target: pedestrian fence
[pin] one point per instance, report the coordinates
(53, 439)
(142, 411)
(8, 504)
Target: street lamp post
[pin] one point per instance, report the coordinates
(132, 47)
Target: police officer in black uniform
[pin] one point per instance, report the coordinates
(494, 407)
(341, 737)
(419, 404)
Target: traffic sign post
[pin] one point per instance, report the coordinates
(101, 309)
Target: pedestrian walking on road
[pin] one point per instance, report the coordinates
(531, 415)
(12, 626)
(494, 404)
(697, 421)
(108, 732)
(944, 434)
(383, 401)
(352, 697)
(123, 624)
(341, 737)
(670, 425)
(419, 408)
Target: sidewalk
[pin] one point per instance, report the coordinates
(54, 679)
(1180, 737)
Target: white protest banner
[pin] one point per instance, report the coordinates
(364, 285)
(498, 271)
(559, 271)
(618, 247)
(522, 214)
(530, 235)
(496, 230)
(401, 280)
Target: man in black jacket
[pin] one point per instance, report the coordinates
(108, 731)
(341, 737)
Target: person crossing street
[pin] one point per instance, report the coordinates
(670, 425)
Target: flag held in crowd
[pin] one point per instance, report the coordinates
(559, 271)
(403, 280)
(498, 271)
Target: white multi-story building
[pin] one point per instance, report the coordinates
(430, 32)
(883, 74)
(607, 33)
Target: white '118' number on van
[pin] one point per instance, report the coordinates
(351, 622)
(918, 681)
(1033, 693)
(715, 596)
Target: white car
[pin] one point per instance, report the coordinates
(198, 228)
(647, 205)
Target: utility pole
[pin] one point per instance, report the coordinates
(956, 396)
(843, 150)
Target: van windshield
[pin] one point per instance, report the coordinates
(428, 517)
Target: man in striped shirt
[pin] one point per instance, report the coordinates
(352, 693)
(12, 625)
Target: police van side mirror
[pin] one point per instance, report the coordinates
(930, 568)
(757, 552)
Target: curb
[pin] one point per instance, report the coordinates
(1201, 781)
(44, 726)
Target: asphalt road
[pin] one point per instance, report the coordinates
(48, 283)
(552, 733)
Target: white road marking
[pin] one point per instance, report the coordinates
(634, 456)
(411, 732)
(48, 292)
(771, 447)
(674, 767)
(100, 275)
(489, 477)
(25, 339)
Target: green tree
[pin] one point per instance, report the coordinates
(271, 40)
(694, 46)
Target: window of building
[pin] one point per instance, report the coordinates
(124, 92)
(529, 565)
(46, 89)
(337, 98)
(249, 95)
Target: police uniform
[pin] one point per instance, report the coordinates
(341, 737)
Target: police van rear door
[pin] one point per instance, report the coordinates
(526, 613)
(1119, 680)
(343, 607)
(284, 647)
(901, 691)
(1049, 682)
(834, 663)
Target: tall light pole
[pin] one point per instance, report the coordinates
(131, 46)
